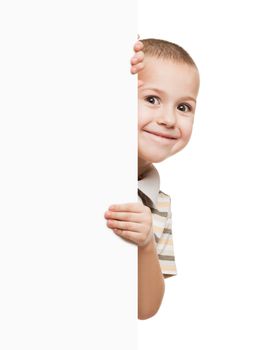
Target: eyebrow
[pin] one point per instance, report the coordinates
(163, 92)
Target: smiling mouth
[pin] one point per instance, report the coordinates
(163, 137)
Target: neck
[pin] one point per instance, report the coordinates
(143, 167)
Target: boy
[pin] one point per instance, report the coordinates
(167, 90)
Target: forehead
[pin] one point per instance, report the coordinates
(169, 76)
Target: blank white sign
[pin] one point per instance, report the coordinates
(67, 151)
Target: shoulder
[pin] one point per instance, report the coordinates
(163, 203)
(164, 196)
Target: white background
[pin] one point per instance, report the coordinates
(215, 301)
(67, 151)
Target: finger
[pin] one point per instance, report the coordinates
(140, 55)
(133, 70)
(124, 216)
(122, 236)
(138, 46)
(138, 67)
(137, 58)
(135, 207)
(125, 225)
(130, 236)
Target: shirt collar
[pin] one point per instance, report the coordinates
(150, 184)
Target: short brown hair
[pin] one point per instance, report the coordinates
(167, 50)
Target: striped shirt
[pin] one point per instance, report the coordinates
(160, 204)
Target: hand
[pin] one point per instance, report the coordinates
(137, 63)
(131, 221)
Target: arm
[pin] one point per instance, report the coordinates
(133, 222)
(151, 285)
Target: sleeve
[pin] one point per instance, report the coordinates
(165, 248)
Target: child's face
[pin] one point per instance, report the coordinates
(169, 111)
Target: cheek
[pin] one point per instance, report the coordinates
(141, 121)
(186, 129)
(144, 115)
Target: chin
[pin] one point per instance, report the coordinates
(153, 158)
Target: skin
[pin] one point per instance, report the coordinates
(137, 63)
(170, 111)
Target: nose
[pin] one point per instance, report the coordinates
(168, 117)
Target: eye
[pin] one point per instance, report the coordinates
(151, 98)
(183, 107)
